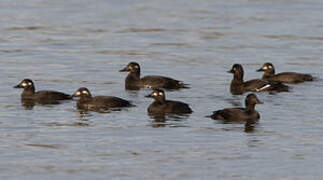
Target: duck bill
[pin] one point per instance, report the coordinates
(124, 70)
(149, 96)
(260, 70)
(231, 71)
(18, 86)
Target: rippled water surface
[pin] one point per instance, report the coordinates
(63, 45)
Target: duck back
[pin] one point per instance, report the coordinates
(161, 82)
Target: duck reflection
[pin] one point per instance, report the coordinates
(29, 104)
(167, 120)
(235, 101)
(250, 126)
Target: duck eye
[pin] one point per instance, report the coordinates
(160, 93)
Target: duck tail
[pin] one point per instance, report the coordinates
(308, 77)
(215, 115)
(183, 85)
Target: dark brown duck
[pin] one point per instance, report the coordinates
(284, 77)
(247, 114)
(238, 86)
(43, 97)
(134, 82)
(162, 106)
(98, 103)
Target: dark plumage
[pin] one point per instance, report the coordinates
(285, 77)
(238, 86)
(247, 114)
(134, 82)
(42, 97)
(161, 105)
(98, 103)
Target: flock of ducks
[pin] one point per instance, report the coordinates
(86, 102)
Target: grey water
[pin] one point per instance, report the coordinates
(64, 45)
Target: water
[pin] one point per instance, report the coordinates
(63, 45)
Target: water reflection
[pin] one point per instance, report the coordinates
(170, 120)
(249, 127)
(29, 104)
(133, 93)
(235, 101)
(254, 141)
(58, 124)
(159, 120)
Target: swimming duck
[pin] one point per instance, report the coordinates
(98, 103)
(161, 105)
(134, 82)
(247, 114)
(284, 77)
(238, 86)
(42, 97)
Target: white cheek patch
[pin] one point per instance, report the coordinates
(265, 68)
(78, 93)
(270, 67)
(24, 84)
(85, 92)
(155, 94)
(136, 66)
(160, 93)
(29, 84)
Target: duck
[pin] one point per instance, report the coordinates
(284, 77)
(98, 103)
(163, 106)
(238, 86)
(134, 82)
(247, 114)
(43, 97)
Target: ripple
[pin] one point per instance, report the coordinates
(211, 35)
(74, 81)
(172, 44)
(294, 37)
(30, 28)
(48, 146)
(141, 30)
(128, 52)
(56, 124)
(11, 51)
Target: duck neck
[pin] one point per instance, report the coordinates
(268, 74)
(237, 78)
(133, 76)
(160, 100)
(28, 91)
(85, 98)
(250, 106)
